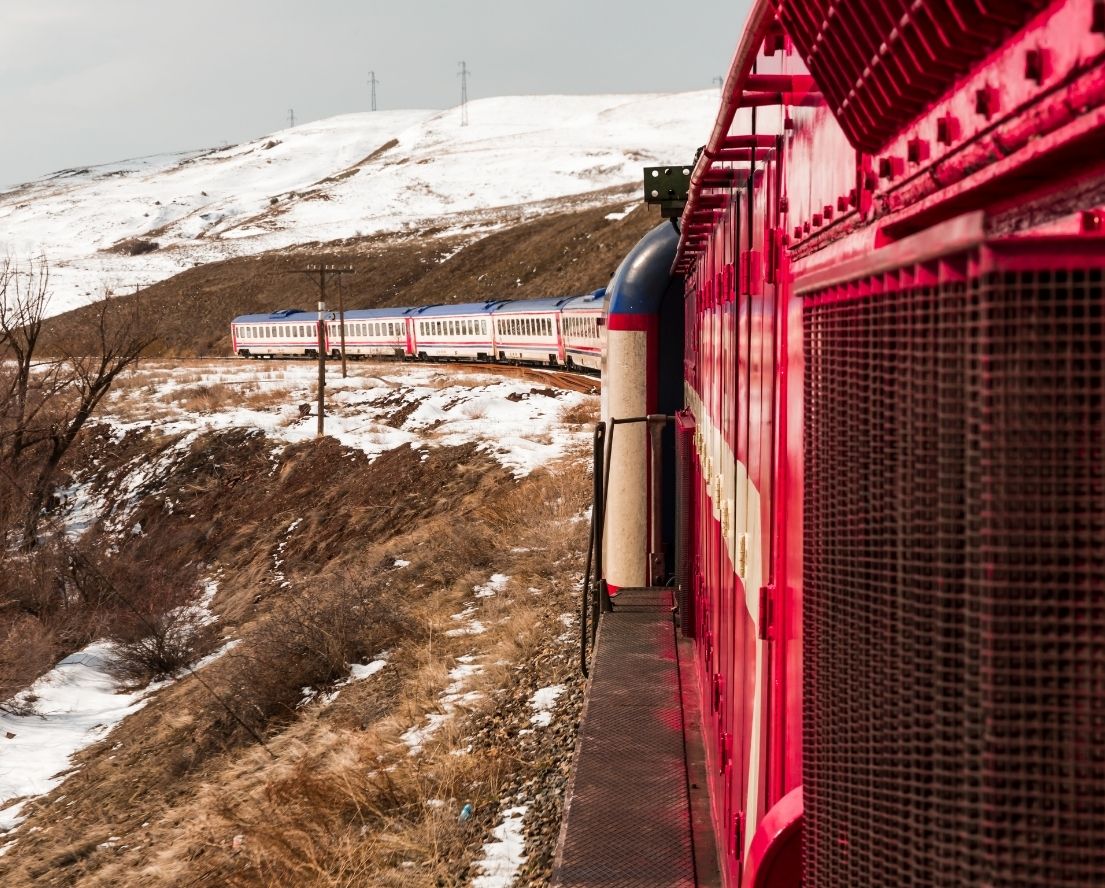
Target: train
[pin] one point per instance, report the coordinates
(565, 331)
(857, 380)
(858, 385)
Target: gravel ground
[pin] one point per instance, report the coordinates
(543, 755)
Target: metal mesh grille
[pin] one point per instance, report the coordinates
(955, 580)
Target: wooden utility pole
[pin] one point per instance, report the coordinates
(320, 431)
(323, 272)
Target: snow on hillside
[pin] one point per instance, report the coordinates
(521, 424)
(395, 172)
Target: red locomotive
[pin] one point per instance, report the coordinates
(880, 330)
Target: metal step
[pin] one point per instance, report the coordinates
(627, 816)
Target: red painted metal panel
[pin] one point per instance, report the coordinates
(942, 126)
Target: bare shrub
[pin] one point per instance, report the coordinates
(308, 640)
(174, 640)
(144, 608)
(27, 649)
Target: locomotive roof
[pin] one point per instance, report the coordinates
(283, 314)
(521, 306)
(294, 315)
(588, 302)
(461, 308)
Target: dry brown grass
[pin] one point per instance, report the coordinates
(333, 798)
(204, 398)
(582, 414)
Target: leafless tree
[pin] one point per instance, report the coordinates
(46, 400)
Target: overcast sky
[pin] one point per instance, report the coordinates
(92, 81)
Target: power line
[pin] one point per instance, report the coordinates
(464, 74)
(372, 82)
(291, 117)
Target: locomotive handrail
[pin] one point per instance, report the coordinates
(588, 601)
(595, 598)
(759, 22)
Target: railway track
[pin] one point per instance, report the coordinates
(555, 377)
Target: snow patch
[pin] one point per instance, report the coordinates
(76, 703)
(452, 698)
(505, 853)
(542, 703)
(493, 586)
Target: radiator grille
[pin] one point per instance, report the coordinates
(955, 580)
(881, 64)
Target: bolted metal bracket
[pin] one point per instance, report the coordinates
(668, 187)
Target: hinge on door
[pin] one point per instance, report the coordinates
(767, 612)
(738, 834)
